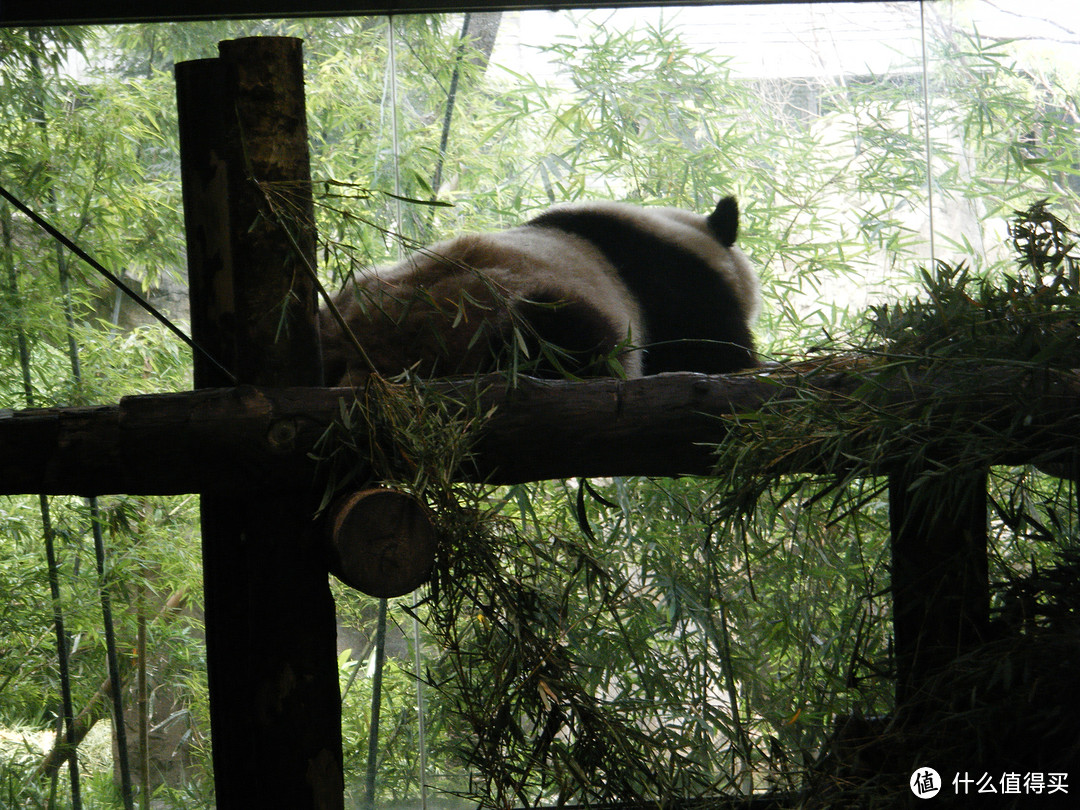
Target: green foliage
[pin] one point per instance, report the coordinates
(399, 749)
(905, 391)
(1027, 317)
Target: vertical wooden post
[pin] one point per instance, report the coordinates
(941, 595)
(270, 631)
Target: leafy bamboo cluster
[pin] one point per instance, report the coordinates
(528, 627)
(948, 380)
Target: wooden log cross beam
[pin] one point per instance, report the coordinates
(245, 440)
(275, 706)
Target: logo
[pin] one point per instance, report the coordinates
(925, 783)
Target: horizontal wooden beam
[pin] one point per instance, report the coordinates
(245, 438)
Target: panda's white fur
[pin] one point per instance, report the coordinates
(661, 289)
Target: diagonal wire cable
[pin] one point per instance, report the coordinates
(59, 236)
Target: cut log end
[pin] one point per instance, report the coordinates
(382, 542)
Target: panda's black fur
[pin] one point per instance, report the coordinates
(658, 289)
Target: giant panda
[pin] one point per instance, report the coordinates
(583, 289)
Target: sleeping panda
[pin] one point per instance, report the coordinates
(584, 289)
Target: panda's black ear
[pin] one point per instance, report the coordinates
(724, 221)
